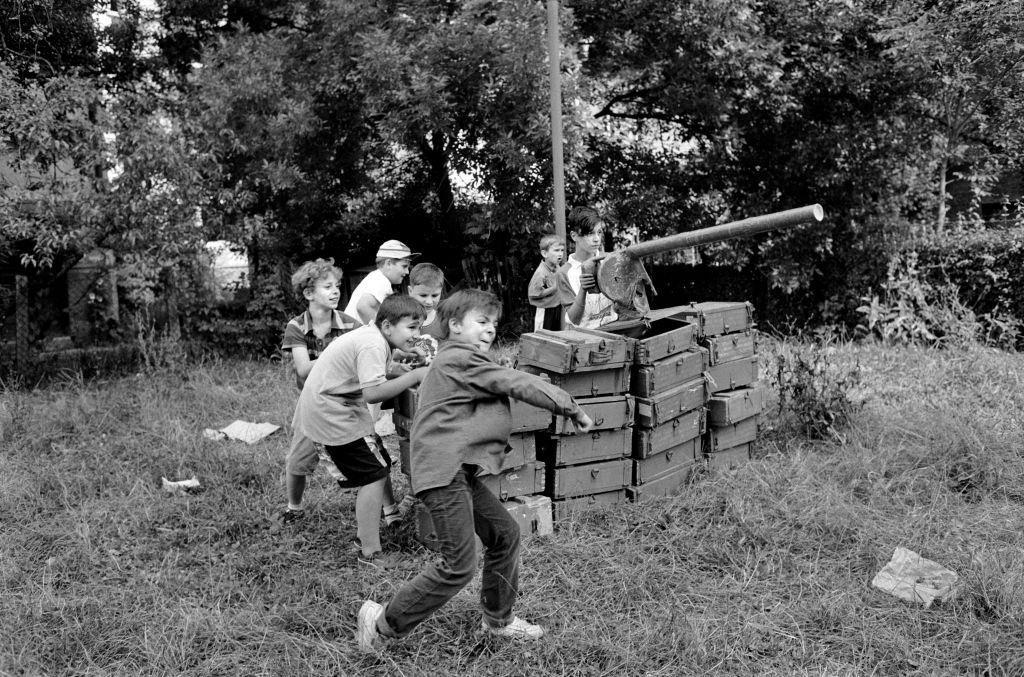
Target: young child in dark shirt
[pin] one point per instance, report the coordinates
(543, 288)
(463, 424)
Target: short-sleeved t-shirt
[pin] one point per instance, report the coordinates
(331, 409)
(434, 328)
(376, 285)
(598, 309)
(299, 332)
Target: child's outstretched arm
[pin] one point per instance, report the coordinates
(481, 372)
(389, 389)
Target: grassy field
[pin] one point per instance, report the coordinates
(762, 571)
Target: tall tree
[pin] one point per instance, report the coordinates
(966, 58)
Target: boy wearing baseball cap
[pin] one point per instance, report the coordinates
(393, 261)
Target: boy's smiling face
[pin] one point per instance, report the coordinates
(324, 294)
(477, 328)
(554, 255)
(403, 333)
(427, 295)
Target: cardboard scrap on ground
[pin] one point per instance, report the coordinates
(180, 486)
(915, 579)
(247, 432)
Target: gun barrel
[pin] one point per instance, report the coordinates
(743, 228)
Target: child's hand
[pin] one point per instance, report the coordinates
(589, 283)
(584, 423)
(398, 368)
(420, 372)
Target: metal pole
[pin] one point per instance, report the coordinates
(555, 79)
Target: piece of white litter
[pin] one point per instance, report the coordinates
(247, 432)
(180, 486)
(211, 434)
(385, 425)
(915, 579)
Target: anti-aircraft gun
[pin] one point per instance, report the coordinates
(621, 276)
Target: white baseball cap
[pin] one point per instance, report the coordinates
(393, 249)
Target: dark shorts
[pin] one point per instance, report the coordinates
(553, 318)
(362, 462)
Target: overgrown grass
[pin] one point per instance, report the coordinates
(765, 570)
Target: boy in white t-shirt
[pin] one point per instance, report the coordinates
(393, 261)
(332, 407)
(584, 305)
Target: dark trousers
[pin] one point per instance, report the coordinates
(459, 510)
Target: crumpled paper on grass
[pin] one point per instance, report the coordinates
(180, 486)
(915, 579)
(247, 432)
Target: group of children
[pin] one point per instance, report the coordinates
(347, 363)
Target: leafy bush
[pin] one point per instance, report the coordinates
(911, 309)
(818, 394)
(984, 267)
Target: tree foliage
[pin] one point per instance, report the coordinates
(317, 127)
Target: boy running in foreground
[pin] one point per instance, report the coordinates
(462, 425)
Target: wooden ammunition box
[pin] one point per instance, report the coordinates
(669, 372)
(716, 317)
(403, 424)
(573, 350)
(608, 412)
(728, 459)
(733, 435)
(665, 337)
(405, 403)
(667, 462)
(732, 406)
(523, 481)
(613, 381)
(533, 514)
(565, 508)
(671, 403)
(528, 418)
(522, 449)
(597, 445)
(592, 478)
(729, 347)
(666, 485)
(733, 374)
(650, 441)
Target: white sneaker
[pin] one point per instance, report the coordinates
(367, 637)
(517, 629)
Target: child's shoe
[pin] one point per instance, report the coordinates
(517, 629)
(368, 637)
(290, 516)
(380, 560)
(406, 504)
(392, 514)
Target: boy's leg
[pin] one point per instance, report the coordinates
(451, 509)
(367, 465)
(302, 459)
(369, 501)
(500, 536)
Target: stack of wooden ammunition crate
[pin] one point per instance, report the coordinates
(671, 391)
(726, 333)
(593, 367)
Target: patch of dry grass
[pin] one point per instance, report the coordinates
(765, 570)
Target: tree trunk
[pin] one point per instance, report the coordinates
(940, 222)
(435, 153)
